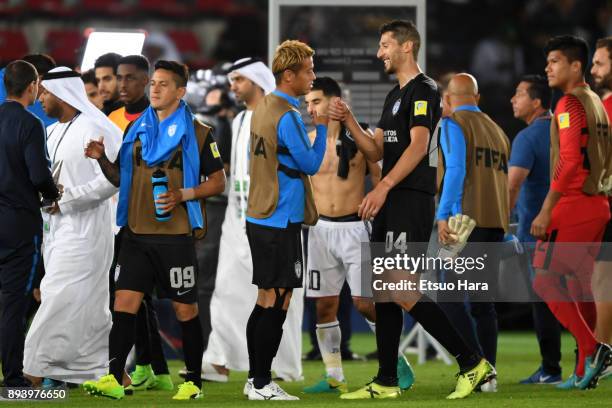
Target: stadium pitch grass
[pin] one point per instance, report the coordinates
(517, 358)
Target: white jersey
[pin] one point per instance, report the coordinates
(68, 338)
(234, 296)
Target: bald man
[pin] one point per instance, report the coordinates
(475, 159)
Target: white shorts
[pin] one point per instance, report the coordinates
(335, 255)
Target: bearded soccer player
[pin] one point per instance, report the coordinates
(602, 274)
(402, 206)
(334, 243)
(574, 210)
(105, 69)
(165, 146)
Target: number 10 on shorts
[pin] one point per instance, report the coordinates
(182, 277)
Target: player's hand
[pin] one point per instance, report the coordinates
(444, 232)
(319, 119)
(605, 185)
(373, 202)
(169, 200)
(540, 225)
(338, 110)
(95, 148)
(36, 295)
(52, 210)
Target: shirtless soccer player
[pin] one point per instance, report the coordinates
(334, 243)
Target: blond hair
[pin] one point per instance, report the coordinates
(290, 55)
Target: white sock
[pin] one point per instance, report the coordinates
(372, 325)
(329, 338)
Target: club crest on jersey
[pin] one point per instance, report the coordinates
(420, 108)
(298, 269)
(564, 120)
(396, 107)
(171, 130)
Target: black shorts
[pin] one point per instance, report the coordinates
(165, 262)
(605, 252)
(277, 255)
(406, 215)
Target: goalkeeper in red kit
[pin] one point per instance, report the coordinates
(574, 211)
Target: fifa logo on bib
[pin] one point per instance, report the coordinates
(171, 130)
(298, 269)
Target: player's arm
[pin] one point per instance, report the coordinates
(370, 145)
(522, 160)
(516, 178)
(375, 172)
(211, 167)
(292, 134)
(37, 162)
(95, 150)
(452, 142)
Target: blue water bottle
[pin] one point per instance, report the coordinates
(160, 186)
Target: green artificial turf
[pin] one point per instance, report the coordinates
(517, 358)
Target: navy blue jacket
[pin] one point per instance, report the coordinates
(24, 173)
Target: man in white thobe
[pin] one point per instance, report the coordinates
(68, 338)
(234, 294)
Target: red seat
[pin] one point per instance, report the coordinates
(13, 45)
(63, 44)
(58, 7)
(118, 7)
(188, 45)
(186, 42)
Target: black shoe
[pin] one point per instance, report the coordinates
(313, 355)
(348, 355)
(372, 355)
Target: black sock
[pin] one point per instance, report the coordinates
(142, 342)
(250, 335)
(389, 324)
(436, 323)
(120, 342)
(193, 348)
(268, 334)
(158, 360)
(279, 317)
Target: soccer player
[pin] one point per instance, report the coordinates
(528, 182)
(280, 200)
(24, 173)
(334, 243)
(574, 210)
(165, 146)
(91, 87)
(402, 204)
(151, 371)
(234, 294)
(105, 69)
(132, 81)
(77, 241)
(602, 274)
